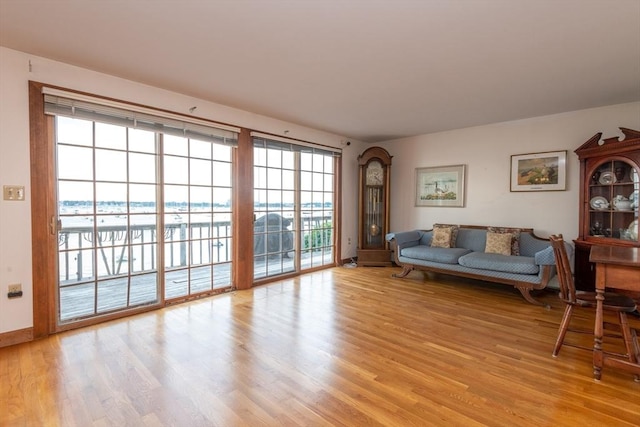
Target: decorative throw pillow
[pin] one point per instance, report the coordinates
(441, 237)
(498, 243)
(454, 232)
(515, 237)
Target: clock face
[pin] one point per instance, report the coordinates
(374, 173)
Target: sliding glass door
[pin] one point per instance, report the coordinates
(108, 218)
(197, 216)
(294, 190)
(137, 209)
(144, 209)
(317, 205)
(275, 197)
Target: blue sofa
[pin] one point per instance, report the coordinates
(531, 268)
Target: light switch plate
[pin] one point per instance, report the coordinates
(13, 192)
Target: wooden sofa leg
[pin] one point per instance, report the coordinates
(525, 291)
(404, 272)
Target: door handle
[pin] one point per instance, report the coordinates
(54, 225)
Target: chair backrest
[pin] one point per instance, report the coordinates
(565, 278)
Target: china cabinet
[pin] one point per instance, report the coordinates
(373, 207)
(609, 187)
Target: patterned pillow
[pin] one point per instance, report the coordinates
(454, 232)
(441, 237)
(498, 243)
(515, 237)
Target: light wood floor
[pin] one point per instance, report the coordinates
(342, 346)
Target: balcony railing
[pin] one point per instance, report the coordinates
(122, 249)
(115, 250)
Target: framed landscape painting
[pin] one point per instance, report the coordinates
(440, 186)
(539, 171)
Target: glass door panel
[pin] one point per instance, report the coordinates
(293, 208)
(613, 206)
(274, 212)
(107, 212)
(197, 206)
(317, 197)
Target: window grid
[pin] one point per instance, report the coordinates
(198, 251)
(106, 248)
(108, 191)
(318, 234)
(286, 204)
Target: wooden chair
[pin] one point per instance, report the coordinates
(614, 303)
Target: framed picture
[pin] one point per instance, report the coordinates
(539, 171)
(440, 186)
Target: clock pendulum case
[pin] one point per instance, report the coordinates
(373, 207)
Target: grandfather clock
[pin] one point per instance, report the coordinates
(373, 207)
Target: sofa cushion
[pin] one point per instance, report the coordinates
(427, 253)
(474, 239)
(441, 237)
(498, 243)
(498, 262)
(454, 232)
(515, 237)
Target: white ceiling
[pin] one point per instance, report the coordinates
(371, 70)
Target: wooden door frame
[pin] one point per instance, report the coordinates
(43, 238)
(44, 229)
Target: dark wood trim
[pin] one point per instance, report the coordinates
(44, 231)
(16, 337)
(375, 153)
(42, 240)
(138, 105)
(593, 155)
(243, 212)
(337, 209)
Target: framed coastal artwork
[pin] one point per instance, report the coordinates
(440, 186)
(539, 171)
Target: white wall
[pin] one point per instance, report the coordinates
(15, 217)
(487, 150)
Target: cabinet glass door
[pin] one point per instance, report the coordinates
(613, 201)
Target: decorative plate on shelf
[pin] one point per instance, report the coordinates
(632, 230)
(607, 178)
(634, 199)
(599, 203)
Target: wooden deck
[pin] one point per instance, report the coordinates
(79, 301)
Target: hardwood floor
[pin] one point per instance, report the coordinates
(341, 346)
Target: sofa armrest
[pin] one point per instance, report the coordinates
(546, 256)
(405, 238)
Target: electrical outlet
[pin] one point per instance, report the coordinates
(14, 291)
(13, 192)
